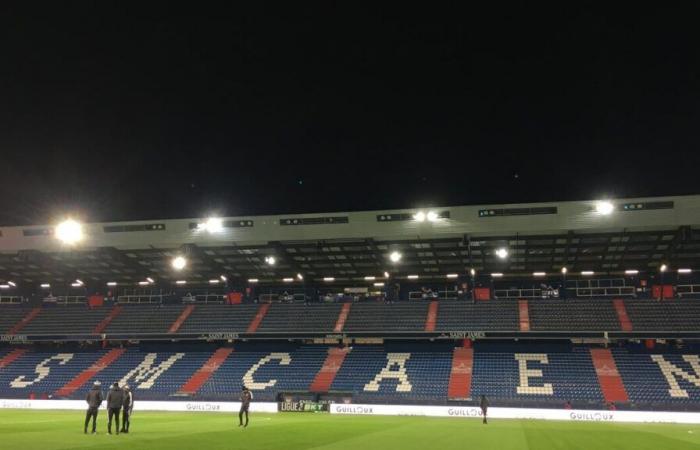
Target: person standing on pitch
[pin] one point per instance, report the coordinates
(94, 401)
(484, 404)
(115, 398)
(127, 407)
(246, 397)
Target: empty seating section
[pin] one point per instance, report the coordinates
(509, 373)
(161, 370)
(573, 315)
(456, 315)
(44, 372)
(413, 373)
(144, 319)
(394, 317)
(526, 374)
(10, 315)
(62, 319)
(275, 368)
(291, 318)
(645, 377)
(219, 319)
(673, 315)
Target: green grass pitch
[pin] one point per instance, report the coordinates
(27, 430)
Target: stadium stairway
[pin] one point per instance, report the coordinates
(107, 320)
(82, 378)
(608, 377)
(11, 357)
(524, 313)
(25, 320)
(181, 319)
(201, 376)
(342, 317)
(259, 316)
(431, 318)
(331, 366)
(625, 323)
(461, 374)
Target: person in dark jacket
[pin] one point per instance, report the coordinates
(94, 401)
(115, 399)
(127, 407)
(484, 404)
(246, 397)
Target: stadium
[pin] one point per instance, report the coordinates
(577, 321)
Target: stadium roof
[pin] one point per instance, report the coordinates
(640, 233)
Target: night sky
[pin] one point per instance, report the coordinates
(117, 111)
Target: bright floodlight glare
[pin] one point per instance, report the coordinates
(69, 232)
(80, 282)
(587, 273)
(270, 260)
(631, 272)
(419, 216)
(150, 280)
(502, 253)
(378, 284)
(564, 270)
(179, 262)
(684, 270)
(432, 216)
(111, 283)
(4, 286)
(143, 283)
(452, 275)
(213, 281)
(214, 225)
(76, 284)
(181, 282)
(252, 280)
(12, 283)
(412, 277)
(604, 208)
(497, 274)
(287, 280)
(369, 278)
(395, 257)
(663, 268)
(386, 274)
(45, 285)
(223, 278)
(328, 279)
(472, 272)
(300, 277)
(538, 274)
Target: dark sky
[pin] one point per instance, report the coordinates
(135, 111)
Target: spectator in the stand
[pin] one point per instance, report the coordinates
(567, 405)
(424, 293)
(612, 407)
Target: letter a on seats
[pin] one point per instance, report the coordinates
(42, 370)
(249, 381)
(146, 373)
(671, 371)
(397, 360)
(525, 374)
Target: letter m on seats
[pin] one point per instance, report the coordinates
(147, 373)
(672, 372)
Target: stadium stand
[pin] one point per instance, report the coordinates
(573, 315)
(10, 315)
(387, 317)
(459, 315)
(66, 319)
(144, 319)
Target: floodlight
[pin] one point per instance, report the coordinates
(502, 253)
(69, 232)
(419, 216)
(663, 268)
(179, 263)
(604, 207)
(412, 277)
(270, 260)
(395, 257)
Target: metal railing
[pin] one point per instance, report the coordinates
(11, 300)
(204, 298)
(436, 295)
(686, 290)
